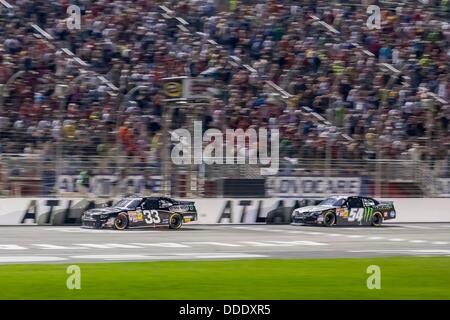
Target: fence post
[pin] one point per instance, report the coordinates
(166, 119)
(378, 172)
(61, 93)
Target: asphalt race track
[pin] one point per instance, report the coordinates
(46, 244)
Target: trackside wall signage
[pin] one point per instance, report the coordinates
(442, 187)
(45, 211)
(312, 186)
(67, 211)
(104, 185)
(282, 187)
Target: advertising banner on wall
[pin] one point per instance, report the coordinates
(305, 187)
(442, 187)
(45, 211)
(68, 211)
(109, 185)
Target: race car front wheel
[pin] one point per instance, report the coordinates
(121, 221)
(175, 221)
(377, 219)
(329, 219)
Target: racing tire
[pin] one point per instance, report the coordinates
(377, 219)
(175, 221)
(329, 219)
(121, 221)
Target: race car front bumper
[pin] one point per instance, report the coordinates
(307, 219)
(93, 223)
(90, 224)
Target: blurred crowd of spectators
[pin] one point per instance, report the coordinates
(130, 43)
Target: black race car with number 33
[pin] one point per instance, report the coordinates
(345, 211)
(140, 212)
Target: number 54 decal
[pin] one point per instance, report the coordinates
(355, 214)
(151, 216)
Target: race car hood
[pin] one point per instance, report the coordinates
(313, 208)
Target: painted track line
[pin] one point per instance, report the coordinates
(22, 259)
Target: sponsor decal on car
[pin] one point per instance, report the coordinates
(180, 208)
(342, 212)
(132, 216)
(368, 213)
(135, 216)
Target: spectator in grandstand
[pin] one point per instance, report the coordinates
(84, 182)
(385, 113)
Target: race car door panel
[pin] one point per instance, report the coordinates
(342, 212)
(355, 211)
(369, 205)
(155, 212)
(342, 215)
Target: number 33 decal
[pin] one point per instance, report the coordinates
(151, 216)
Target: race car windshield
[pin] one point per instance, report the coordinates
(128, 203)
(332, 202)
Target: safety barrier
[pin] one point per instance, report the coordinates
(67, 211)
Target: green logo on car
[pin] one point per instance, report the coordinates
(368, 213)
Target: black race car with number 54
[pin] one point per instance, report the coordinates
(345, 211)
(140, 212)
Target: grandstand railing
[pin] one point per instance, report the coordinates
(31, 175)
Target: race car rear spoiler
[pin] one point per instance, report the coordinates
(187, 202)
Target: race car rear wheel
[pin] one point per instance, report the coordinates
(175, 221)
(329, 219)
(377, 219)
(121, 221)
